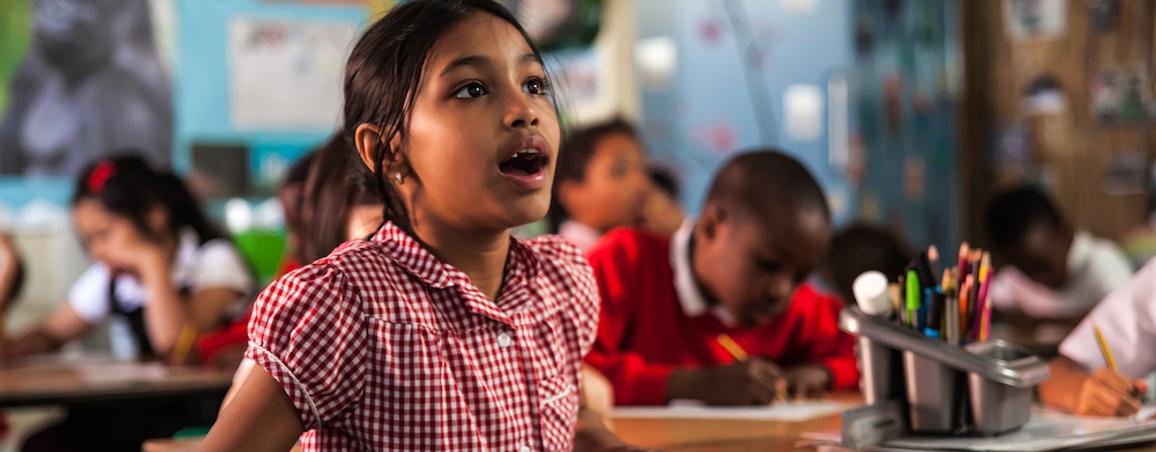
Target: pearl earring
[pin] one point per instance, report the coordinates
(399, 178)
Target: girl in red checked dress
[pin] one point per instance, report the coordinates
(440, 331)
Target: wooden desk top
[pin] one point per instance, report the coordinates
(51, 380)
(732, 435)
(725, 435)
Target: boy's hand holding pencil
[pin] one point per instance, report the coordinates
(748, 381)
(751, 382)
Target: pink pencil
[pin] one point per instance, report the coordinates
(982, 308)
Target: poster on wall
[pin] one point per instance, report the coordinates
(89, 83)
(286, 74)
(1122, 96)
(1028, 19)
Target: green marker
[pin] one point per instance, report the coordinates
(913, 297)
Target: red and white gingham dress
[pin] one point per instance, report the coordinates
(380, 346)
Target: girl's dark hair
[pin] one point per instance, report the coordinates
(333, 186)
(127, 186)
(384, 72)
(574, 156)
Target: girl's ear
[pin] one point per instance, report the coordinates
(367, 138)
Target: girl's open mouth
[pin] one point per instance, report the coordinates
(527, 168)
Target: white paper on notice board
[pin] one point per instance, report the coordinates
(286, 74)
(803, 108)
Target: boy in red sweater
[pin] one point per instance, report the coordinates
(736, 271)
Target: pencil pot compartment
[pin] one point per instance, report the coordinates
(984, 388)
(881, 371)
(931, 394)
(998, 407)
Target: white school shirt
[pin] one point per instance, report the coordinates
(690, 297)
(582, 236)
(214, 264)
(1127, 319)
(1095, 268)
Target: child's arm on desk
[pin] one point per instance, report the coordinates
(63, 325)
(258, 417)
(1103, 393)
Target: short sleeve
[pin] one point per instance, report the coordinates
(219, 265)
(1127, 320)
(1111, 269)
(88, 296)
(307, 331)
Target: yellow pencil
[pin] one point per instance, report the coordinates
(736, 351)
(732, 347)
(184, 344)
(1104, 350)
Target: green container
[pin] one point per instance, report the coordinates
(264, 249)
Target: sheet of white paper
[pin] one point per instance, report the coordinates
(786, 411)
(1146, 413)
(1047, 430)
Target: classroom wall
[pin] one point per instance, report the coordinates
(706, 108)
(1099, 171)
(906, 91)
(204, 90)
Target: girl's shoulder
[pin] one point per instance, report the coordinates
(355, 268)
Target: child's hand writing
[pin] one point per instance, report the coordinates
(1107, 393)
(1101, 393)
(751, 382)
(808, 381)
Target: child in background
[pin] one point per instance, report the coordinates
(1049, 273)
(162, 269)
(162, 274)
(601, 182)
(680, 314)
(440, 331)
(338, 201)
(662, 212)
(1081, 382)
(858, 248)
(291, 194)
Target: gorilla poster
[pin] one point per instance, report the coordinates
(90, 83)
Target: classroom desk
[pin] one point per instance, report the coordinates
(731, 435)
(55, 381)
(725, 435)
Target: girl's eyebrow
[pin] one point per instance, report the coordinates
(468, 60)
(530, 58)
(484, 61)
